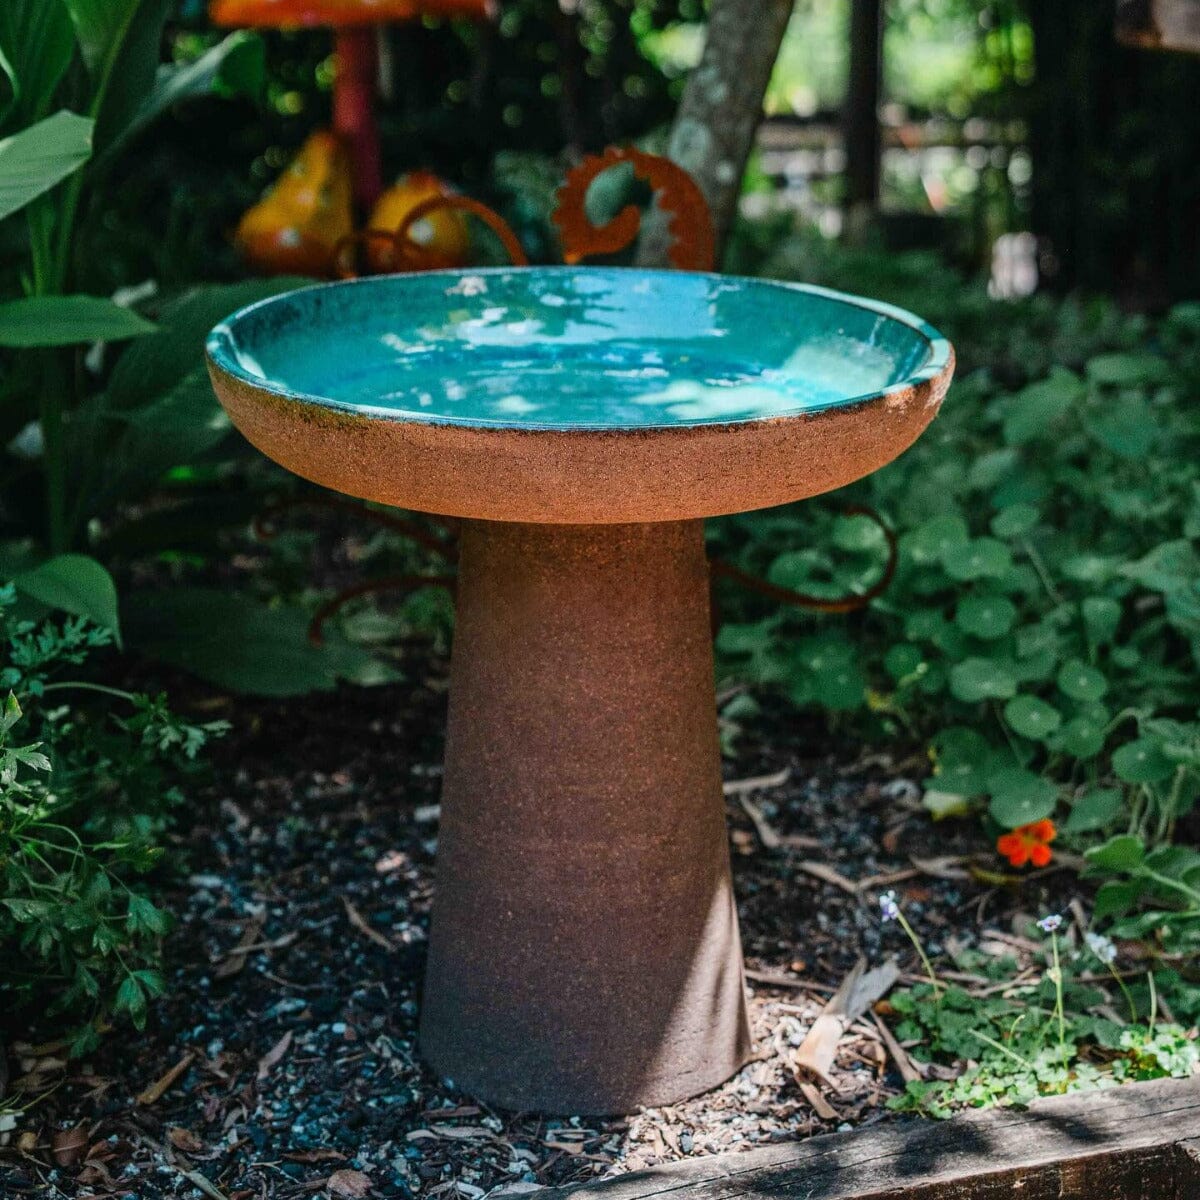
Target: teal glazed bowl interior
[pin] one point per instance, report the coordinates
(578, 394)
(578, 348)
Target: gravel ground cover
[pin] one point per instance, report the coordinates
(282, 1063)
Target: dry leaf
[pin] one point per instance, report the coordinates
(360, 923)
(272, 1056)
(155, 1091)
(350, 1184)
(68, 1145)
(184, 1139)
(235, 960)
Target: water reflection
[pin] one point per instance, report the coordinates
(574, 347)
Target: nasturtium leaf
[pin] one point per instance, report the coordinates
(1122, 853)
(963, 758)
(1080, 681)
(986, 617)
(1176, 862)
(1020, 797)
(1127, 429)
(1128, 370)
(976, 679)
(1095, 809)
(930, 541)
(1031, 717)
(1082, 736)
(858, 534)
(902, 660)
(1142, 761)
(1089, 568)
(1036, 410)
(1169, 566)
(1101, 616)
(978, 559)
(990, 468)
(746, 639)
(1015, 520)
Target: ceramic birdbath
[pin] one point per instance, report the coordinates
(584, 953)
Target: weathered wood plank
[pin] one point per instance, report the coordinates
(1128, 1143)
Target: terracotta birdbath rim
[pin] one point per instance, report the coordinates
(228, 353)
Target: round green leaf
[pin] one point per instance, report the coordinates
(1015, 520)
(1101, 616)
(962, 761)
(976, 679)
(902, 660)
(1020, 797)
(978, 559)
(930, 541)
(986, 617)
(1080, 681)
(858, 534)
(1031, 717)
(1083, 735)
(1142, 761)
(1094, 810)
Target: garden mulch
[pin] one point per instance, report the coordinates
(282, 1062)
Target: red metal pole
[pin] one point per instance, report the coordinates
(354, 85)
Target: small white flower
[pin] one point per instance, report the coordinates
(888, 906)
(1103, 948)
(1051, 924)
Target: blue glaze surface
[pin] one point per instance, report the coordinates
(576, 348)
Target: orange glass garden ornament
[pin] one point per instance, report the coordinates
(442, 235)
(296, 227)
(1029, 844)
(354, 23)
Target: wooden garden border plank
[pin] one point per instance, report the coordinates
(1137, 1142)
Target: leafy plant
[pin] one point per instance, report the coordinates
(1042, 633)
(86, 797)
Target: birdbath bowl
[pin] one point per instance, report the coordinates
(584, 953)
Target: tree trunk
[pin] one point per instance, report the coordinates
(721, 109)
(862, 136)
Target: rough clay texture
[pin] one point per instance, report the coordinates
(584, 954)
(582, 477)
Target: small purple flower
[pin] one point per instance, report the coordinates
(1051, 924)
(888, 907)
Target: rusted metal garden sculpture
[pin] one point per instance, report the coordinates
(581, 423)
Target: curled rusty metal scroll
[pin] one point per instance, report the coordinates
(693, 241)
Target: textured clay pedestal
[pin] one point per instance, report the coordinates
(584, 953)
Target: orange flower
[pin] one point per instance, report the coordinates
(1029, 844)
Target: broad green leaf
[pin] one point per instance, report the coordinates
(99, 27)
(976, 679)
(986, 617)
(75, 584)
(1081, 682)
(858, 534)
(235, 64)
(1094, 810)
(37, 158)
(1142, 761)
(1127, 428)
(1031, 717)
(1122, 853)
(1083, 735)
(67, 321)
(1115, 899)
(238, 643)
(1020, 797)
(152, 366)
(902, 660)
(36, 45)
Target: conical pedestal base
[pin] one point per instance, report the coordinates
(584, 954)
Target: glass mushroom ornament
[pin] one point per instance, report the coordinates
(311, 210)
(582, 422)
